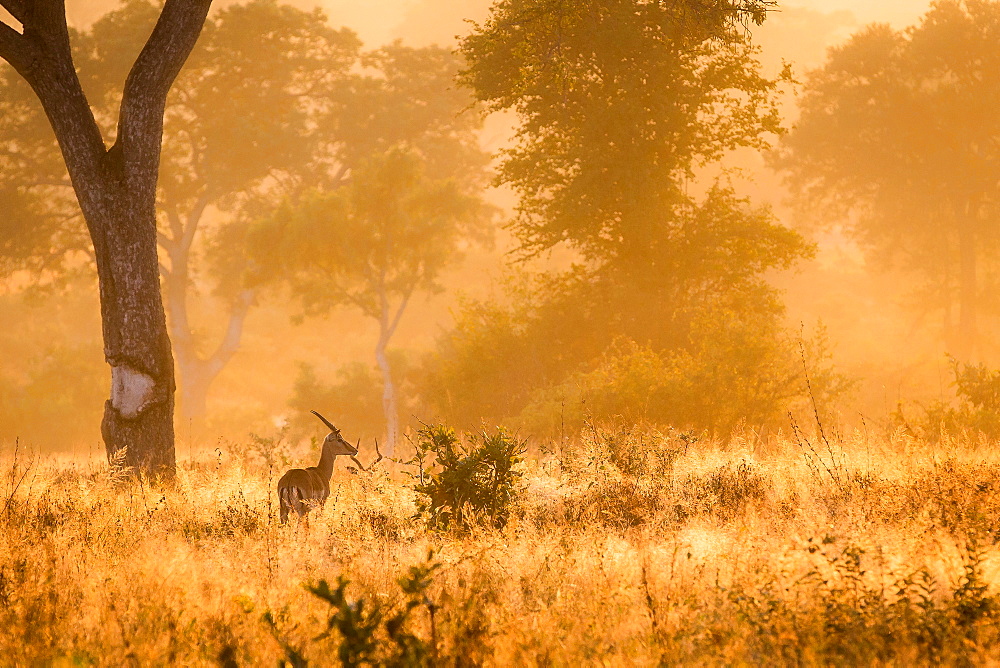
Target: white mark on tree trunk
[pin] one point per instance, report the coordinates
(131, 391)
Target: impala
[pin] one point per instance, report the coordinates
(299, 489)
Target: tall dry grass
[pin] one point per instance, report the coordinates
(625, 546)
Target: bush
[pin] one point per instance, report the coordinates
(362, 627)
(540, 364)
(977, 389)
(468, 481)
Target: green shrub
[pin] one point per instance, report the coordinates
(371, 631)
(977, 391)
(466, 481)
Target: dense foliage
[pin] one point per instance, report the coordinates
(619, 104)
(667, 314)
(464, 482)
(975, 412)
(896, 142)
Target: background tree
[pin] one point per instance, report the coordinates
(898, 139)
(239, 138)
(372, 245)
(116, 190)
(621, 105)
(406, 96)
(404, 103)
(235, 136)
(242, 129)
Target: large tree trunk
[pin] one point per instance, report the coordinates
(116, 190)
(139, 414)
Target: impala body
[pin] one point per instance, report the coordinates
(299, 489)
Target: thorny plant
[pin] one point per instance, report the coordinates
(360, 627)
(474, 479)
(814, 459)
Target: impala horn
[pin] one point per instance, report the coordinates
(325, 421)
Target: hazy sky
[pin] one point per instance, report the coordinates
(438, 20)
(897, 12)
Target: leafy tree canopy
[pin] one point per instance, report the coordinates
(238, 117)
(620, 102)
(386, 234)
(621, 106)
(897, 141)
(273, 102)
(372, 244)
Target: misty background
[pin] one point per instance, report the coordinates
(289, 336)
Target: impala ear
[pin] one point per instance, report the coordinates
(325, 421)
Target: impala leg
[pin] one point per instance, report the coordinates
(290, 499)
(283, 505)
(300, 505)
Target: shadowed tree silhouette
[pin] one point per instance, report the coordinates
(116, 191)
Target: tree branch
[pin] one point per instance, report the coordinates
(176, 228)
(399, 312)
(16, 8)
(140, 123)
(234, 332)
(15, 49)
(43, 57)
(164, 241)
(194, 219)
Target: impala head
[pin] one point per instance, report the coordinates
(334, 443)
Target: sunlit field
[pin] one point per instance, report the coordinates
(678, 321)
(622, 547)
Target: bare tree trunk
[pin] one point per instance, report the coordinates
(388, 320)
(139, 414)
(116, 190)
(389, 403)
(196, 373)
